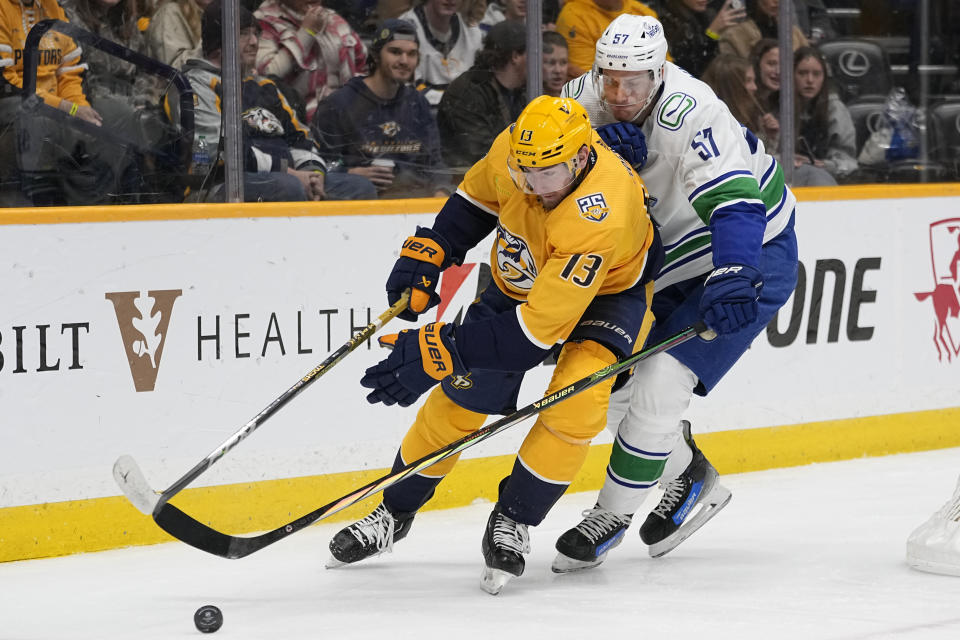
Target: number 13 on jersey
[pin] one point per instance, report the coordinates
(582, 269)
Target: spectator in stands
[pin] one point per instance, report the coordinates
(693, 31)
(734, 81)
(281, 160)
(309, 48)
(45, 155)
(380, 127)
(826, 136)
(59, 71)
(500, 10)
(123, 94)
(482, 102)
(386, 9)
(762, 22)
(173, 36)
(361, 14)
(472, 12)
(107, 75)
(448, 45)
(555, 60)
(126, 96)
(765, 57)
(582, 23)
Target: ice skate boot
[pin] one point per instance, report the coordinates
(370, 536)
(934, 546)
(587, 544)
(504, 543)
(688, 502)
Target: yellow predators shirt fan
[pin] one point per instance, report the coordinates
(593, 243)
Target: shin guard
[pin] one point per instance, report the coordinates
(558, 443)
(439, 422)
(648, 443)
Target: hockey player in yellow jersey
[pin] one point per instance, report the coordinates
(572, 262)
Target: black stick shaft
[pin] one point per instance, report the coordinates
(185, 528)
(365, 334)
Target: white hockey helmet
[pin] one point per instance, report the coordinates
(630, 43)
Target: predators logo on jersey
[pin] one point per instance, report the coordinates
(262, 121)
(593, 207)
(390, 129)
(514, 260)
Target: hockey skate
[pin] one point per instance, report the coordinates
(504, 543)
(587, 544)
(688, 502)
(934, 546)
(368, 537)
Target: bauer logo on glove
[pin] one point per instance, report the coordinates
(422, 258)
(422, 249)
(729, 299)
(420, 359)
(722, 270)
(436, 359)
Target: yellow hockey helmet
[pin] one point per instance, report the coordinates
(545, 142)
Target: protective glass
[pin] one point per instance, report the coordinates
(624, 90)
(542, 180)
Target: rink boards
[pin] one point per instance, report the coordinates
(159, 331)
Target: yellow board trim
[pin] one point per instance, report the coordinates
(150, 212)
(876, 192)
(61, 528)
(140, 213)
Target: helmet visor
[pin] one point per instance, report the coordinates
(624, 89)
(542, 180)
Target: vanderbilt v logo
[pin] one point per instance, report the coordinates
(143, 321)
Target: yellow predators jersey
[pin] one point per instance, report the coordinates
(593, 243)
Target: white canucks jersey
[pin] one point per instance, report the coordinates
(700, 160)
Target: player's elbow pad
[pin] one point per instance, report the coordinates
(498, 344)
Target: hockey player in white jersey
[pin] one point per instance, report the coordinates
(726, 219)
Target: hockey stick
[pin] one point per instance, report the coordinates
(134, 484)
(185, 528)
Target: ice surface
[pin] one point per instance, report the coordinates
(814, 552)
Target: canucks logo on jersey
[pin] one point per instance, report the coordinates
(514, 260)
(593, 207)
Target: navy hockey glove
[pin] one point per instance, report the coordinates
(420, 359)
(628, 140)
(418, 269)
(729, 300)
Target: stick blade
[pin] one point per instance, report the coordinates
(200, 536)
(134, 485)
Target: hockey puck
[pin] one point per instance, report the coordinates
(208, 618)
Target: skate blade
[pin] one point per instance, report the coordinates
(921, 557)
(927, 566)
(718, 498)
(493, 580)
(333, 563)
(566, 564)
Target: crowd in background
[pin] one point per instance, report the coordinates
(363, 99)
